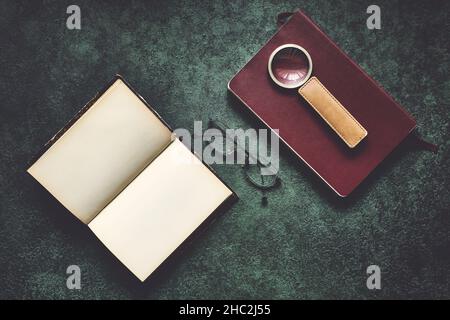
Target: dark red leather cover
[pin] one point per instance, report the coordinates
(304, 132)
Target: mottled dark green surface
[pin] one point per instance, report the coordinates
(306, 243)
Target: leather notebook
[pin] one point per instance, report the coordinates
(301, 129)
(119, 169)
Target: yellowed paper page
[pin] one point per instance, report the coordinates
(102, 152)
(156, 212)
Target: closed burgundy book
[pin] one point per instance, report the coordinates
(302, 130)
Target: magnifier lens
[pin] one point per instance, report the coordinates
(290, 66)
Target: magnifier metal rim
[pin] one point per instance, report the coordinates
(297, 84)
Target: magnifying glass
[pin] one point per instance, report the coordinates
(290, 66)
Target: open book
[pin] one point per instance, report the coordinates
(118, 168)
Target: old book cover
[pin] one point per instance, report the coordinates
(341, 168)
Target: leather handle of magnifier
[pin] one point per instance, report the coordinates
(333, 112)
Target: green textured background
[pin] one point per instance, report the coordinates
(306, 243)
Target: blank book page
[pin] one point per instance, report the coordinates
(156, 212)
